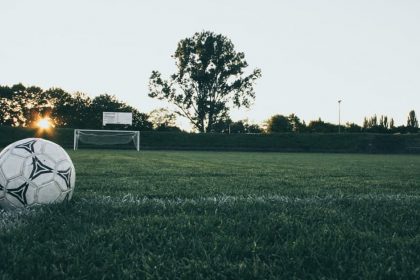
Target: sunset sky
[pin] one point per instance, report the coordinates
(311, 53)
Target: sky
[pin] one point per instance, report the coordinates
(311, 53)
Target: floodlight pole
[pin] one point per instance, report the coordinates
(339, 116)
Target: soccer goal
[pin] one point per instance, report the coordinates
(108, 138)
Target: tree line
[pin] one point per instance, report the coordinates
(23, 106)
(374, 124)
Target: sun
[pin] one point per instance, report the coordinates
(44, 123)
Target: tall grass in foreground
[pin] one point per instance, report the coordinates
(223, 215)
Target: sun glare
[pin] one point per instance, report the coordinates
(44, 123)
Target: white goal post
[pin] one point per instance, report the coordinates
(106, 137)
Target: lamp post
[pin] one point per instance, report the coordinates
(339, 116)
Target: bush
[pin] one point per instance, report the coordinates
(284, 142)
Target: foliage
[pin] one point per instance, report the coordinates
(23, 106)
(352, 128)
(18, 103)
(209, 80)
(73, 110)
(322, 127)
(296, 124)
(252, 128)
(384, 124)
(163, 120)
(241, 126)
(279, 123)
(381, 125)
(412, 122)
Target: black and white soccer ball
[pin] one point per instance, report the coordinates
(35, 171)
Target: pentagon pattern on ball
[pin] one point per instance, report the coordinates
(35, 171)
(49, 193)
(55, 150)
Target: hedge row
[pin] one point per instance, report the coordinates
(287, 142)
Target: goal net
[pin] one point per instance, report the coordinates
(107, 138)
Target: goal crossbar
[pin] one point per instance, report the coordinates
(130, 136)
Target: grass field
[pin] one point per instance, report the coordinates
(221, 215)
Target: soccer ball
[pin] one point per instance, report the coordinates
(35, 171)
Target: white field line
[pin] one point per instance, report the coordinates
(229, 200)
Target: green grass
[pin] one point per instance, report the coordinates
(221, 215)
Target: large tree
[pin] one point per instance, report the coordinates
(209, 80)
